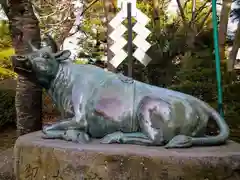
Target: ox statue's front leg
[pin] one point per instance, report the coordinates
(79, 105)
(67, 130)
(77, 131)
(71, 129)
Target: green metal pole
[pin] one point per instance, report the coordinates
(217, 57)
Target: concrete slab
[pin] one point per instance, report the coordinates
(40, 159)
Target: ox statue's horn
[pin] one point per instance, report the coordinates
(51, 43)
(32, 46)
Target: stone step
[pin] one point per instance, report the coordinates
(38, 159)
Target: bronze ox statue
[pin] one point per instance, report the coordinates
(116, 108)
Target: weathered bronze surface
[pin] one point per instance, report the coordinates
(116, 108)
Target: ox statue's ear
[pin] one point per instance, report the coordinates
(62, 55)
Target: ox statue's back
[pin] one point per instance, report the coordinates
(116, 108)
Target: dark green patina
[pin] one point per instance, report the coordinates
(116, 108)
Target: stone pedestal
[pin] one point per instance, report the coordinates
(38, 159)
(6, 165)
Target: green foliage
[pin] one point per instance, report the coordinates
(5, 51)
(93, 45)
(197, 76)
(5, 36)
(80, 61)
(5, 54)
(7, 108)
(5, 64)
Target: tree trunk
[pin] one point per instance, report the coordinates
(187, 26)
(234, 51)
(110, 12)
(192, 31)
(156, 17)
(28, 100)
(225, 11)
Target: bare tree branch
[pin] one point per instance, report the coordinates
(204, 20)
(201, 8)
(185, 4)
(85, 10)
(193, 9)
(182, 13)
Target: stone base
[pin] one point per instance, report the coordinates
(6, 165)
(38, 159)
